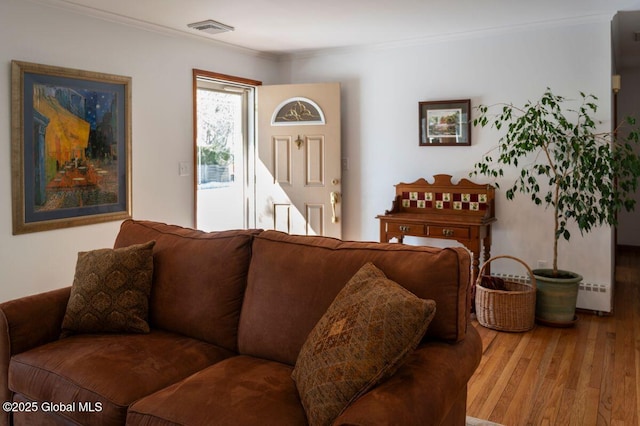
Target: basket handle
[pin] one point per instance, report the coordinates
(484, 265)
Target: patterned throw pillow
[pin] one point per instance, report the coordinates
(110, 292)
(370, 328)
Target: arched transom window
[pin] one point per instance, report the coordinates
(297, 111)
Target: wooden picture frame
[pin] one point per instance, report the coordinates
(445, 123)
(70, 147)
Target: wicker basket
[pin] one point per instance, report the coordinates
(512, 310)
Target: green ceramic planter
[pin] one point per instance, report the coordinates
(556, 297)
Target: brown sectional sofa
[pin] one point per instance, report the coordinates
(229, 312)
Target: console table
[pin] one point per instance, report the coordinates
(463, 212)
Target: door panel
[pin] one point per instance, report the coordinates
(281, 217)
(314, 161)
(315, 219)
(282, 159)
(298, 167)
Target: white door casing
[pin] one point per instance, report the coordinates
(298, 179)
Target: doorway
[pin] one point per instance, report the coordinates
(223, 142)
(285, 178)
(626, 66)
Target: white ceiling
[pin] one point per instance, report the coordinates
(290, 26)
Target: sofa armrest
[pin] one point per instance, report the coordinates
(425, 390)
(32, 321)
(26, 323)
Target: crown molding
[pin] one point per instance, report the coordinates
(330, 51)
(151, 27)
(444, 38)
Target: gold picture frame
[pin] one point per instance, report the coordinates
(70, 147)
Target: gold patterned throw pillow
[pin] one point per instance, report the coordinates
(368, 331)
(110, 292)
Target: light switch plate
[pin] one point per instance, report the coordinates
(183, 168)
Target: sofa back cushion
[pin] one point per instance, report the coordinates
(293, 280)
(199, 278)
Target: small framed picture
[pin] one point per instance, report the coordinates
(445, 123)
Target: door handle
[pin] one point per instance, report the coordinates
(335, 199)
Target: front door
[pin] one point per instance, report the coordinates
(298, 180)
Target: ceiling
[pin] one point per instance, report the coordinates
(292, 26)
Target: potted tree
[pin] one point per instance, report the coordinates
(584, 176)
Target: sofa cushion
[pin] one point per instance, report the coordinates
(110, 292)
(293, 280)
(114, 370)
(239, 391)
(199, 278)
(365, 335)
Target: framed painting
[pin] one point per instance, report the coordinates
(70, 147)
(445, 123)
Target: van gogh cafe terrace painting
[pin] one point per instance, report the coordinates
(80, 150)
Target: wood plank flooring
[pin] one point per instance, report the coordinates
(585, 375)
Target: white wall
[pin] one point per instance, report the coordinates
(161, 67)
(629, 105)
(381, 90)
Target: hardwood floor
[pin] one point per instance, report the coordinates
(585, 375)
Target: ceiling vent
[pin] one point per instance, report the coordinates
(210, 26)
